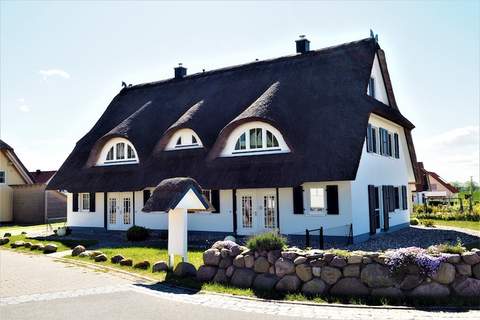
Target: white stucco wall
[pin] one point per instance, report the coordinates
(380, 91)
(83, 218)
(378, 170)
(334, 225)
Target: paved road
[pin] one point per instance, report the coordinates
(37, 287)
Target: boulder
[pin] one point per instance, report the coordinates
(445, 273)
(466, 287)
(117, 258)
(159, 266)
(338, 262)
(211, 257)
(376, 276)
(249, 261)
(330, 275)
(17, 244)
(314, 287)
(289, 283)
(27, 244)
(349, 287)
(366, 260)
(93, 254)
(261, 265)
(34, 246)
(144, 265)
(81, 255)
(77, 250)
(220, 276)
(206, 273)
(289, 255)
(284, 266)
(304, 272)
(273, 255)
(40, 247)
(185, 269)
(235, 250)
(413, 269)
(381, 259)
(239, 261)
(4, 240)
(411, 281)
(317, 263)
(243, 278)
(300, 260)
(126, 262)
(271, 269)
(225, 252)
(351, 270)
(101, 258)
(265, 282)
(431, 290)
(476, 271)
(454, 258)
(317, 271)
(7, 234)
(355, 259)
(389, 292)
(328, 256)
(230, 270)
(50, 248)
(471, 257)
(225, 262)
(464, 269)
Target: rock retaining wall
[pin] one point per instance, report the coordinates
(320, 273)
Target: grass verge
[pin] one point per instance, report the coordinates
(62, 244)
(472, 225)
(38, 227)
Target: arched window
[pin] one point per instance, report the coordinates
(256, 140)
(183, 139)
(118, 151)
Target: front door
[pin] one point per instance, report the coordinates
(256, 211)
(119, 211)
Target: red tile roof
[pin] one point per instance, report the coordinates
(42, 176)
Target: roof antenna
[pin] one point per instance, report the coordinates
(373, 35)
(124, 84)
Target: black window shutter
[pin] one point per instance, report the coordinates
(371, 208)
(386, 209)
(404, 198)
(298, 200)
(215, 200)
(392, 198)
(146, 196)
(374, 140)
(75, 202)
(397, 148)
(92, 202)
(389, 142)
(383, 141)
(396, 197)
(332, 200)
(369, 138)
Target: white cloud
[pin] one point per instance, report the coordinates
(24, 108)
(21, 100)
(54, 72)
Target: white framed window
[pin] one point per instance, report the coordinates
(317, 199)
(2, 177)
(256, 139)
(85, 202)
(371, 87)
(183, 139)
(118, 151)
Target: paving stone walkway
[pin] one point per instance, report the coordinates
(31, 282)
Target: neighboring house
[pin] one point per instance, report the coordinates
(12, 172)
(298, 142)
(432, 187)
(32, 203)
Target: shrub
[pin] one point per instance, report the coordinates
(414, 222)
(428, 223)
(137, 233)
(456, 248)
(266, 241)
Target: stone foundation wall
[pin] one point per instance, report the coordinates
(317, 272)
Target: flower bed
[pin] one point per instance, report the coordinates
(412, 272)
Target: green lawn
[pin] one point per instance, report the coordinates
(39, 227)
(62, 244)
(472, 225)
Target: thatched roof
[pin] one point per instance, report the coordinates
(317, 100)
(169, 192)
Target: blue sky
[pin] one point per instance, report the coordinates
(61, 63)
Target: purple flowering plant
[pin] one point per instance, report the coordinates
(398, 260)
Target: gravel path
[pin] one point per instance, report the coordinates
(418, 237)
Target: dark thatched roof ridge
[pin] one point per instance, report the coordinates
(169, 192)
(317, 100)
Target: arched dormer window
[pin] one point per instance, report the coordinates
(254, 138)
(117, 151)
(184, 139)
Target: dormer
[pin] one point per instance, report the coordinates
(117, 151)
(254, 138)
(376, 85)
(184, 139)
